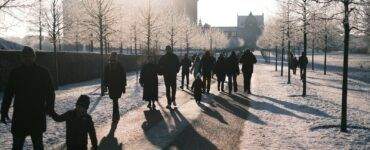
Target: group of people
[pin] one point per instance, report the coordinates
(301, 63)
(34, 96)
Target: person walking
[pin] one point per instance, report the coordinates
(197, 88)
(149, 81)
(232, 72)
(207, 64)
(294, 64)
(248, 60)
(169, 66)
(185, 64)
(303, 61)
(196, 68)
(32, 89)
(115, 82)
(219, 70)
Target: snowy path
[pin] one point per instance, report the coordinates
(288, 121)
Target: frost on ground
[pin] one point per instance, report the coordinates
(288, 121)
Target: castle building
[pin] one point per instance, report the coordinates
(249, 29)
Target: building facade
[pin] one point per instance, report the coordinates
(249, 28)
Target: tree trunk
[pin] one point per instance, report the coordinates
(304, 93)
(346, 26)
(325, 52)
(276, 58)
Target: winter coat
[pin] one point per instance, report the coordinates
(149, 81)
(232, 65)
(197, 68)
(77, 128)
(303, 61)
(207, 64)
(33, 92)
(169, 65)
(186, 64)
(248, 60)
(220, 68)
(115, 79)
(294, 62)
(197, 87)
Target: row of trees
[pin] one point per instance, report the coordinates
(318, 24)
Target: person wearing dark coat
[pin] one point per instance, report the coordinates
(232, 72)
(115, 81)
(248, 60)
(303, 61)
(220, 72)
(31, 87)
(185, 65)
(79, 124)
(197, 87)
(169, 65)
(294, 65)
(149, 81)
(207, 64)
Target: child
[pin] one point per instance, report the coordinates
(197, 87)
(78, 124)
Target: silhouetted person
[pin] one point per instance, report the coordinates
(303, 61)
(31, 87)
(220, 71)
(248, 60)
(207, 64)
(196, 69)
(185, 64)
(78, 124)
(149, 81)
(169, 65)
(232, 72)
(115, 81)
(294, 64)
(197, 88)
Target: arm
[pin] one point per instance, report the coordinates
(92, 134)
(8, 97)
(61, 118)
(49, 94)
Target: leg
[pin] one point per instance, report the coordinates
(235, 83)
(37, 141)
(230, 83)
(173, 88)
(115, 110)
(18, 142)
(187, 80)
(222, 85)
(209, 83)
(218, 84)
(168, 95)
(204, 83)
(245, 82)
(182, 80)
(249, 78)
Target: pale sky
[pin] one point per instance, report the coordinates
(213, 12)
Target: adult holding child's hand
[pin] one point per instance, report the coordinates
(31, 87)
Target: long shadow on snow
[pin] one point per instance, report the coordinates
(237, 110)
(296, 107)
(263, 106)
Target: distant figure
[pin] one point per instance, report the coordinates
(232, 72)
(294, 64)
(185, 64)
(303, 61)
(207, 63)
(197, 87)
(78, 124)
(149, 81)
(31, 87)
(115, 81)
(248, 60)
(169, 65)
(220, 68)
(196, 69)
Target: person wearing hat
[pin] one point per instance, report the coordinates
(79, 124)
(115, 81)
(32, 89)
(169, 65)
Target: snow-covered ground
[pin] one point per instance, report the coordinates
(285, 120)
(100, 109)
